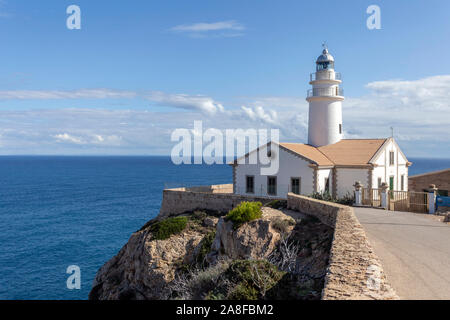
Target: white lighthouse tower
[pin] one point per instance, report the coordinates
(325, 103)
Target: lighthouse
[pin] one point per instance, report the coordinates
(325, 103)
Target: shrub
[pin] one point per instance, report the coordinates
(162, 230)
(205, 247)
(199, 216)
(244, 212)
(198, 284)
(325, 196)
(348, 199)
(253, 279)
(277, 204)
(282, 225)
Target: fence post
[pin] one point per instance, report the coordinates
(358, 193)
(432, 199)
(384, 195)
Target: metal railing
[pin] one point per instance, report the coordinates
(371, 197)
(408, 201)
(325, 75)
(326, 92)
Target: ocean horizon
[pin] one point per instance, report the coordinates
(59, 211)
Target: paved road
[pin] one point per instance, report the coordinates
(414, 250)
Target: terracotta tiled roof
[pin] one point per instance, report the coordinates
(352, 151)
(309, 152)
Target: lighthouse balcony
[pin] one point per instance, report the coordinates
(325, 75)
(326, 92)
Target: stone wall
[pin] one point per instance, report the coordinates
(354, 271)
(218, 188)
(422, 182)
(180, 200)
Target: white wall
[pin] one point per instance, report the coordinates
(290, 166)
(384, 170)
(346, 178)
(325, 116)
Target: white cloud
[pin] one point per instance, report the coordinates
(205, 27)
(229, 28)
(432, 93)
(259, 114)
(69, 94)
(64, 137)
(189, 102)
(419, 118)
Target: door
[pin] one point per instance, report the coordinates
(391, 188)
(391, 183)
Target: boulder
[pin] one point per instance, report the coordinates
(253, 240)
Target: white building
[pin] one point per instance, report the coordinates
(328, 163)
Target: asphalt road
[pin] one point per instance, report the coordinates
(414, 250)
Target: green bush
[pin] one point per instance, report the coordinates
(205, 247)
(162, 230)
(348, 199)
(244, 212)
(253, 279)
(325, 196)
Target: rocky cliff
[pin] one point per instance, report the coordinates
(201, 255)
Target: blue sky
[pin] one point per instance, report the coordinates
(139, 69)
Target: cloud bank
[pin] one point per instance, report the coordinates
(418, 111)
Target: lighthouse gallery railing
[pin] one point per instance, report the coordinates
(325, 75)
(326, 92)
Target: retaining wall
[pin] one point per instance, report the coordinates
(180, 200)
(354, 271)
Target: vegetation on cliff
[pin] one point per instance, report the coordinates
(253, 252)
(244, 212)
(162, 230)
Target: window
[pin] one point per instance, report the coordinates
(340, 129)
(250, 184)
(391, 158)
(402, 183)
(327, 185)
(295, 185)
(269, 151)
(379, 183)
(272, 186)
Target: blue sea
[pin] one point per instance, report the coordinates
(62, 211)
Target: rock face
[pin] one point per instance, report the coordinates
(143, 267)
(254, 240)
(146, 268)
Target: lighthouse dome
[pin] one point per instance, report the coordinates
(325, 57)
(325, 61)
